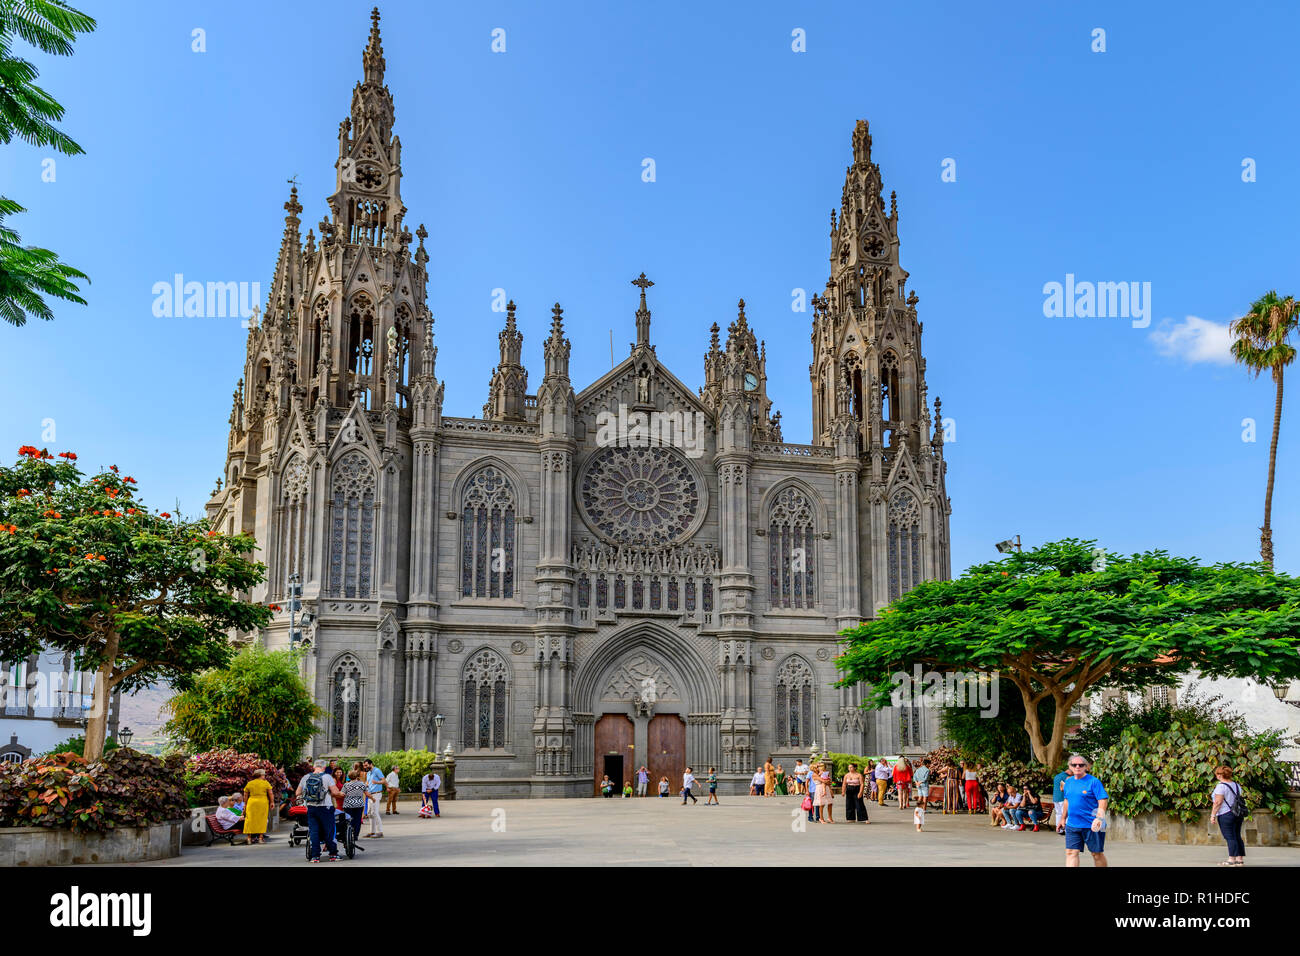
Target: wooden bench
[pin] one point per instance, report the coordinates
(217, 831)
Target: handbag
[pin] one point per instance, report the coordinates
(807, 803)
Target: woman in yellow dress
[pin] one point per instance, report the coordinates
(769, 778)
(259, 807)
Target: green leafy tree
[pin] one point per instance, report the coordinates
(1104, 730)
(985, 737)
(258, 704)
(1062, 619)
(1262, 341)
(133, 595)
(29, 112)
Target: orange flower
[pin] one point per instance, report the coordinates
(113, 469)
(90, 557)
(130, 511)
(164, 515)
(112, 492)
(102, 558)
(71, 456)
(22, 492)
(130, 479)
(29, 451)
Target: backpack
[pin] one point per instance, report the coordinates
(1238, 808)
(313, 791)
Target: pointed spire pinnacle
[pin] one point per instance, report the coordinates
(740, 319)
(557, 322)
(861, 142)
(893, 204)
(713, 338)
(293, 207)
(510, 316)
(373, 57)
(642, 313)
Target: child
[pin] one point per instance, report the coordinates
(918, 816)
(663, 786)
(627, 790)
(713, 787)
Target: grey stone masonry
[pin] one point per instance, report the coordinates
(578, 582)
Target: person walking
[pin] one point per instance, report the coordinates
(1084, 813)
(781, 787)
(642, 780)
(800, 778)
(430, 784)
(903, 782)
(688, 781)
(971, 781)
(810, 801)
(393, 785)
(851, 788)
(258, 809)
(769, 778)
(713, 788)
(826, 793)
(375, 785)
(1058, 800)
(317, 791)
(756, 783)
(354, 799)
(1229, 810)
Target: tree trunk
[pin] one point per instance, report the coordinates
(1266, 532)
(97, 725)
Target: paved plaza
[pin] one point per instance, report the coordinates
(743, 831)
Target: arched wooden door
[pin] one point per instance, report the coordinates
(666, 741)
(614, 733)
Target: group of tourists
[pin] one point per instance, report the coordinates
(248, 810)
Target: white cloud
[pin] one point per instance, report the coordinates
(1194, 340)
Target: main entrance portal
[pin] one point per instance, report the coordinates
(613, 747)
(666, 744)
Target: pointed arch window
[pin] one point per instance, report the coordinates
(795, 703)
(485, 683)
(791, 533)
(904, 544)
(345, 708)
(488, 536)
(361, 346)
(293, 520)
(352, 532)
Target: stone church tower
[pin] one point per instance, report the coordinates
(578, 581)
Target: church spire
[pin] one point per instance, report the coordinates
(642, 313)
(373, 57)
(510, 378)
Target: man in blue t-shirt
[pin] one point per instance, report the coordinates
(1084, 813)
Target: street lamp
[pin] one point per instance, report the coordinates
(125, 735)
(1280, 689)
(1006, 547)
(437, 726)
(826, 722)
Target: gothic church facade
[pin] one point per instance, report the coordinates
(576, 599)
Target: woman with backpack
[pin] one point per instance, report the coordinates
(1230, 810)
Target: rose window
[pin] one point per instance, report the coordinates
(639, 496)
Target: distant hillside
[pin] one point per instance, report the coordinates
(141, 711)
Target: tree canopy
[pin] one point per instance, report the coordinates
(1063, 619)
(134, 595)
(257, 704)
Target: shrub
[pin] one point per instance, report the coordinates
(411, 765)
(229, 771)
(1173, 770)
(125, 788)
(258, 704)
(295, 772)
(981, 737)
(1017, 773)
(1105, 729)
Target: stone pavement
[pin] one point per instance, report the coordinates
(743, 831)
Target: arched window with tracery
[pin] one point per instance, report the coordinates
(890, 410)
(904, 544)
(345, 703)
(488, 511)
(352, 532)
(791, 531)
(361, 345)
(796, 700)
(292, 519)
(485, 685)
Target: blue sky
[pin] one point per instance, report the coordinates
(526, 168)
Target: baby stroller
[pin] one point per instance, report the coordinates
(343, 832)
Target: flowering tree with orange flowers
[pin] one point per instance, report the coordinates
(136, 596)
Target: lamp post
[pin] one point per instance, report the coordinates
(125, 735)
(437, 726)
(1006, 547)
(826, 722)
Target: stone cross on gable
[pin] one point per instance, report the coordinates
(643, 313)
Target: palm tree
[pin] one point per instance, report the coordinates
(1260, 342)
(28, 112)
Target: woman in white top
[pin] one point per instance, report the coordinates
(1227, 800)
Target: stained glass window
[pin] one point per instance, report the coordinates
(345, 716)
(708, 594)
(488, 538)
(584, 591)
(484, 722)
(620, 593)
(638, 593)
(602, 592)
(352, 544)
(794, 695)
(672, 594)
(904, 544)
(639, 496)
(656, 595)
(791, 554)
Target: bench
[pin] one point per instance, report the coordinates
(217, 831)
